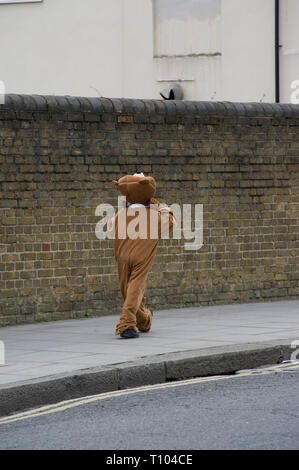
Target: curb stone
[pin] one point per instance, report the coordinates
(20, 396)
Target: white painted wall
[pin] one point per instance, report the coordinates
(124, 48)
(187, 46)
(289, 52)
(248, 58)
(242, 31)
(76, 47)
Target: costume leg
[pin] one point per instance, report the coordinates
(143, 317)
(132, 283)
(128, 317)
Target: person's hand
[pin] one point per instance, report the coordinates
(154, 204)
(155, 201)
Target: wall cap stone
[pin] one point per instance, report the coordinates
(51, 103)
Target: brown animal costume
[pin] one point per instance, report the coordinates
(135, 256)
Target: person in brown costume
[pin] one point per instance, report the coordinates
(135, 250)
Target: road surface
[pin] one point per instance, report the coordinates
(256, 409)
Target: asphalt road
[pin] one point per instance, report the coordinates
(249, 410)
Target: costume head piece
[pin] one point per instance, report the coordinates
(137, 188)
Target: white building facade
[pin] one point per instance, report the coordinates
(221, 50)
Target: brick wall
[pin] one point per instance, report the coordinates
(58, 156)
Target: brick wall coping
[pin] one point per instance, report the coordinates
(146, 106)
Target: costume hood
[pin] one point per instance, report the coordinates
(137, 188)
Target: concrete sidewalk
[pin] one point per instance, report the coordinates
(45, 362)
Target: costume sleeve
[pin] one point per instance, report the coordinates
(167, 222)
(166, 218)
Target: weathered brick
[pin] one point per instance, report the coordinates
(56, 168)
